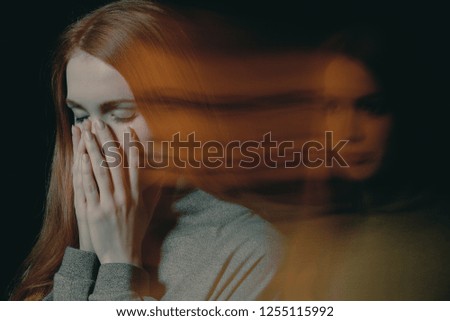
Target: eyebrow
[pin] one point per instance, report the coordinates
(236, 102)
(104, 107)
(376, 95)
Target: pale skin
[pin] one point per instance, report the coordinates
(111, 213)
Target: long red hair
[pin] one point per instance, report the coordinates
(107, 33)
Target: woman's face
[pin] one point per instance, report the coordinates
(355, 111)
(95, 90)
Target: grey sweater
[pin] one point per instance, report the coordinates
(217, 251)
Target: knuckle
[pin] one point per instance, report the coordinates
(103, 171)
(120, 201)
(107, 206)
(123, 210)
(90, 188)
(133, 203)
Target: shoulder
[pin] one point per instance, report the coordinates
(202, 210)
(230, 252)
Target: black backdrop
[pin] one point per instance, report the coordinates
(30, 36)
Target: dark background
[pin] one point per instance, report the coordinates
(31, 34)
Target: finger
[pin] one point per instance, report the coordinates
(87, 125)
(81, 148)
(79, 197)
(104, 136)
(100, 170)
(77, 183)
(75, 140)
(133, 166)
(89, 185)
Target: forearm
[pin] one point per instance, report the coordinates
(121, 282)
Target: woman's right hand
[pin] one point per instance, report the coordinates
(111, 215)
(79, 148)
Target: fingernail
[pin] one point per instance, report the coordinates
(73, 130)
(99, 124)
(85, 158)
(131, 131)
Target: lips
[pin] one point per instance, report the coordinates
(358, 158)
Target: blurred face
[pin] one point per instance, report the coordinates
(95, 90)
(355, 112)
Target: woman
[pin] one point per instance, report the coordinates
(365, 232)
(102, 237)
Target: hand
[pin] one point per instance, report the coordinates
(117, 219)
(79, 199)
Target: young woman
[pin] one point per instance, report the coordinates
(366, 232)
(102, 238)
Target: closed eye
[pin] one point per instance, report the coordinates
(123, 115)
(79, 115)
(118, 111)
(79, 120)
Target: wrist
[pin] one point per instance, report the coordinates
(132, 260)
(86, 245)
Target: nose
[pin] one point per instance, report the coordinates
(355, 131)
(92, 120)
